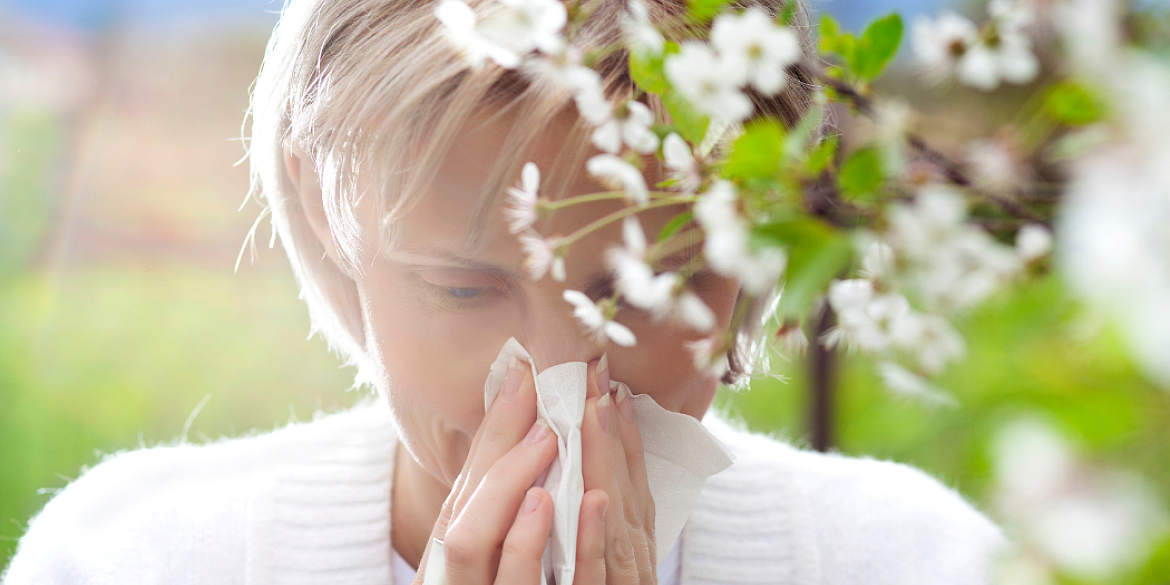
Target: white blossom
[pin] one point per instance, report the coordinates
(595, 322)
(588, 94)
(680, 161)
(694, 312)
(584, 83)
(615, 173)
(1033, 242)
(877, 261)
(793, 341)
(753, 47)
(951, 45)
(709, 356)
(538, 255)
(903, 382)
(700, 76)
(1012, 14)
(510, 29)
(856, 326)
(997, 164)
(1114, 247)
(930, 338)
(644, 38)
(521, 209)
(1093, 523)
(941, 44)
(460, 26)
(951, 265)
(633, 129)
(726, 244)
(636, 279)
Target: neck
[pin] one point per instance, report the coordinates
(415, 501)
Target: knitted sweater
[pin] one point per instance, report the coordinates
(310, 504)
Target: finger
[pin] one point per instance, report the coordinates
(598, 378)
(637, 504)
(591, 539)
(477, 532)
(635, 456)
(598, 435)
(524, 545)
(503, 427)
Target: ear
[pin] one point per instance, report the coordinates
(303, 177)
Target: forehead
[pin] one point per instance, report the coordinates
(458, 202)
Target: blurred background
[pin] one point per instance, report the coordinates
(123, 323)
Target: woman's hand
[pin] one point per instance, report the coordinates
(493, 525)
(615, 536)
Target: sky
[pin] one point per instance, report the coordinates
(156, 14)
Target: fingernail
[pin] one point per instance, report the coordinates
(530, 502)
(625, 405)
(536, 433)
(512, 378)
(603, 373)
(603, 413)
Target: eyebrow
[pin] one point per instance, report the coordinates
(449, 257)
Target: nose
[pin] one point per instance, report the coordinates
(553, 336)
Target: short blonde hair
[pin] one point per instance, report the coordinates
(349, 81)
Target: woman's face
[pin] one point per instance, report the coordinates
(437, 316)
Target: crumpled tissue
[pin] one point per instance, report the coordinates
(680, 455)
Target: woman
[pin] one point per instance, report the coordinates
(380, 151)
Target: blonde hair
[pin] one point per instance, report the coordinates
(350, 81)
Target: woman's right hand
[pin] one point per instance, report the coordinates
(493, 525)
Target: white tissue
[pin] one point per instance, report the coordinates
(680, 455)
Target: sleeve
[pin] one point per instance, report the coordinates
(146, 516)
(884, 523)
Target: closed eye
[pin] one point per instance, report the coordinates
(467, 292)
(456, 288)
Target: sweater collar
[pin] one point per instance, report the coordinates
(752, 524)
(325, 517)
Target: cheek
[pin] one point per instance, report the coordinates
(431, 365)
(662, 365)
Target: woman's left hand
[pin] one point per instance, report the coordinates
(615, 535)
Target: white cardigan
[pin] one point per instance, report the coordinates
(310, 504)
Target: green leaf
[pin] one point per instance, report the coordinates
(788, 14)
(649, 72)
(676, 223)
(690, 124)
(877, 45)
(757, 152)
(860, 174)
(703, 10)
(822, 156)
(801, 136)
(1073, 104)
(830, 33)
(817, 253)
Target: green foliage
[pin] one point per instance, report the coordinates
(816, 254)
(1021, 361)
(104, 359)
(865, 57)
(702, 11)
(1073, 104)
(877, 45)
(758, 152)
(821, 156)
(648, 71)
(674, 225)
(690, 124)
(861, 174)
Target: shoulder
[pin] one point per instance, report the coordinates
(146, 514)
(867, 521)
